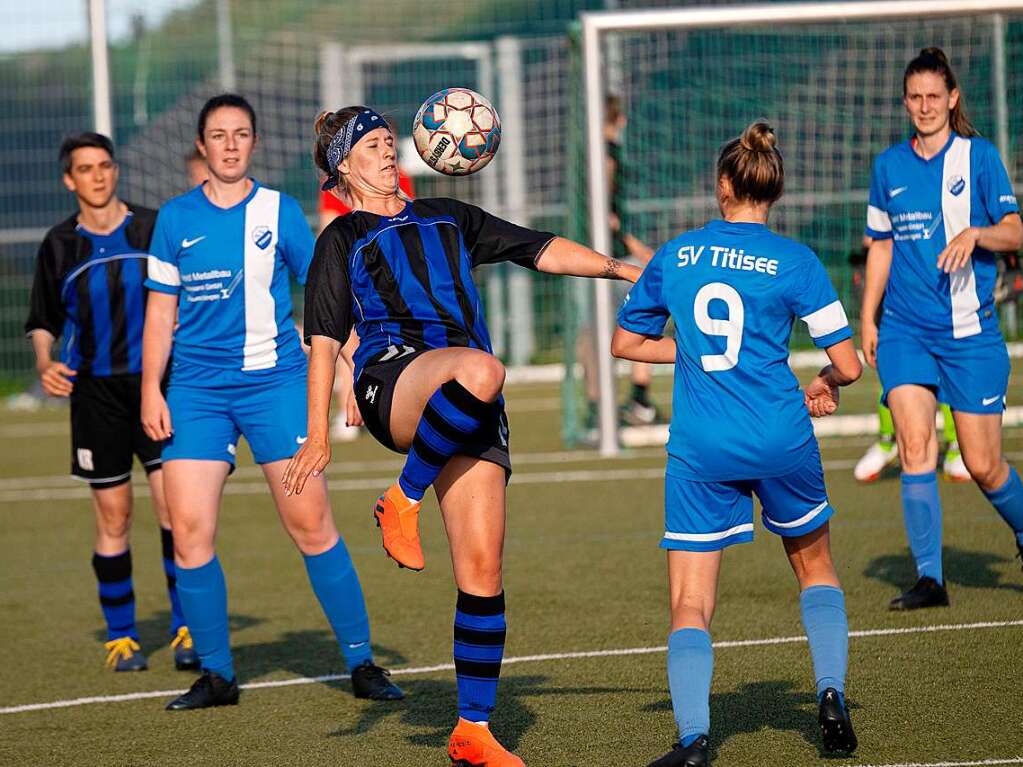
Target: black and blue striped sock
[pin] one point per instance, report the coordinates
(452, 416)
(479, 647)
(177, 616)
(116, 595)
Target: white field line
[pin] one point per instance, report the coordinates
(419, 670)
(1011, 760)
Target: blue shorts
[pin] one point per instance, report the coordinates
(970, 374)
(270, 414)
(709, 516)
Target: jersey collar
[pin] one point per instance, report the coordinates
(952, 136)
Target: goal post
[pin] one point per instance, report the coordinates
(673, 45)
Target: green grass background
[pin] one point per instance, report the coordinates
(583, 572)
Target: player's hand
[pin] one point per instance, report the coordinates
(310, 460)
(821, 396)
(959, 251)
(56, 379)
(868, 342)
(353, 416)
(156, 418)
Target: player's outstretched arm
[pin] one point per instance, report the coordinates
(563, 256)
(821, 394)
(314, 455)
(879, 264)
(157, 337)
(637, 347)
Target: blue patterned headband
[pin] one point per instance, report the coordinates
(348, 135)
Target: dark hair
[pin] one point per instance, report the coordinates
(194, 156)
(225, 100)
(753, 164)
(326, 127)
(934, 60)
(80, 141)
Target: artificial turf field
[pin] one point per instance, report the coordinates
(583, 574)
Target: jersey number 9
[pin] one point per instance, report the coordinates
(730, 328)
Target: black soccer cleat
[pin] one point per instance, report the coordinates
(927, 592)
(372, 682)
(836, 726)
(210, 689)
(693, 755)
(1019, 546)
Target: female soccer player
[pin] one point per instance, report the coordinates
(427, 382)
(941, 205)
(739, 425)
(225, 249)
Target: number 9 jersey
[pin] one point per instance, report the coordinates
(733, 290)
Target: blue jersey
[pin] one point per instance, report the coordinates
(733, 290)
(405, 282)
(922, 205)
(229, 267)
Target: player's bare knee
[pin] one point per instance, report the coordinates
(917, 453)
(483, 377)
(987, 470)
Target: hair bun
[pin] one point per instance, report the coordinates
(758, 137)
(935, 53)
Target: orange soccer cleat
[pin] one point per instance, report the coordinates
(473, 745)
(398, 520)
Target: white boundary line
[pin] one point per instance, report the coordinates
(418, 670)
(1011, 760)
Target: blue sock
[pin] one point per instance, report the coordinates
(203, 595)
(116, 595)
(450, 419)
(1008, 501)
(827, 628)
(690, 667)
(336, 584)
(921, 511)
(479, 648)
(177, 616)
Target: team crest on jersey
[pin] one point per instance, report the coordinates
(956, 185)
(262, 236)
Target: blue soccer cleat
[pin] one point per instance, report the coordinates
(125, 654)
(185, 656)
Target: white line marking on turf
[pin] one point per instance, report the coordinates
(1011, 760)
(417, 670)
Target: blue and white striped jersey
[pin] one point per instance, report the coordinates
(229, 267)
(733, 291)
(922, 205)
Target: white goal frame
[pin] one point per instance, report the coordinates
(597, 24)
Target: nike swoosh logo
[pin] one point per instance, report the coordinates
(896, 192)
(301, 440)
(189, 243)
(989, 400)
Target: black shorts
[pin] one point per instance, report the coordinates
(106, 430)
(374, 392)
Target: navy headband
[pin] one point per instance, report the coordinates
(348, 136)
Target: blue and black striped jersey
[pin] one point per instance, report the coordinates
(88, 289)
(407, 280)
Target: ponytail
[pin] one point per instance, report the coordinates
(934, 60)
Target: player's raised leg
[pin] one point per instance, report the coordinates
(441, 401)
(193, 489)
(472, 497)
(332, 575)
(980, 437)
(913, 408)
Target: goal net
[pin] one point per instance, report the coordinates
(827, 76)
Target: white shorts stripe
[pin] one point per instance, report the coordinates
(162, 272)
(826, 320)
(801, 521)
(698, 537)
(878, 220)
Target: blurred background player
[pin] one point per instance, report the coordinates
(885, 452)
(195, 168)
(939, 329)
(334, 203)
(88, 288)
(638, 409)
(426, 379)
(225, 248)
(733, 318)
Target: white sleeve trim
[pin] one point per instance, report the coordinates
(826, 320)
(878, 220)
(164, 273)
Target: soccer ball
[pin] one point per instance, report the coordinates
(456, 131)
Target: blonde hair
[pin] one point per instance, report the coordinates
(753, 164)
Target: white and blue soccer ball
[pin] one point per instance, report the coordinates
(456, 131)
